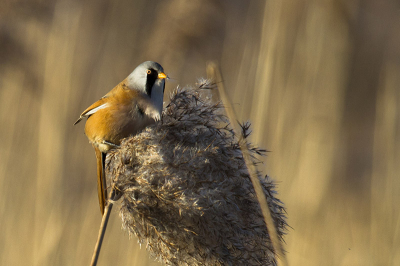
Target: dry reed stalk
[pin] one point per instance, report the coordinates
(214, 73)
(103, 228)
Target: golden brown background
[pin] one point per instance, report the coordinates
(319, 79)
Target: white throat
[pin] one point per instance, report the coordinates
(157, 94)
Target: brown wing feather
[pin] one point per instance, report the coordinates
(94, 105)
(100, 102)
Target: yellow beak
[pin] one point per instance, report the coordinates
(162, 75)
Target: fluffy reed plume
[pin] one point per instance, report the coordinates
(186, 192)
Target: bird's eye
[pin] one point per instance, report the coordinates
(148, 71)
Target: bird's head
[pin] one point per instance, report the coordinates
(149, 78)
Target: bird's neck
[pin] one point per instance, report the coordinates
(157, 95)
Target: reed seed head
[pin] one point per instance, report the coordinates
(185, 189)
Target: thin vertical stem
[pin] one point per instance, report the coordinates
(102, 230)
(213, 71)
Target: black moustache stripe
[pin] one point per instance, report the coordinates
(151, 79)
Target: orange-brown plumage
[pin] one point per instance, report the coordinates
(101, 179)
(132, 105)
(119, 119)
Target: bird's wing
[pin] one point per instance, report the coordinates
(100, 104)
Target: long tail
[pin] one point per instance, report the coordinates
(101, 179)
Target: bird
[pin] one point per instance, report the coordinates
(128, 108)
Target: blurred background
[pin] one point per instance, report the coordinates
(319, 80)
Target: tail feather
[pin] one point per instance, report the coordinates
(101, 180)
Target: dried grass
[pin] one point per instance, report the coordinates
(186, 192)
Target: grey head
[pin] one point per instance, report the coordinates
(149, 78)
